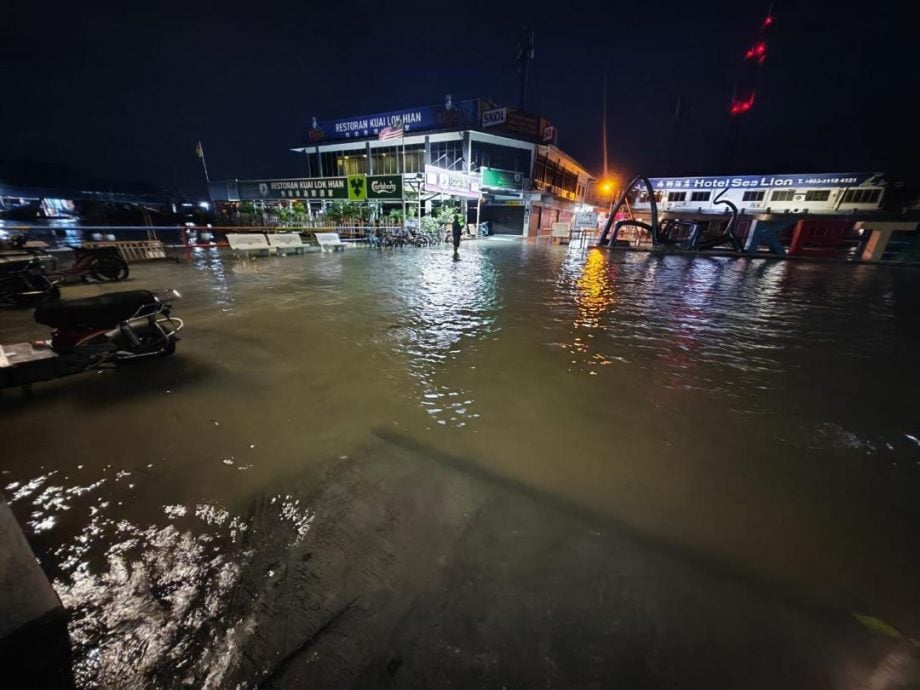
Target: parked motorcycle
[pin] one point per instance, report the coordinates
(103, 264)
(93, 333)
(24, 283)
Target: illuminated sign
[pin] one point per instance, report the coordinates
(451, 182)
(353, 188)
(491, 118)
(502, 179)
(451, 115)
(385, 187)
(795, 181)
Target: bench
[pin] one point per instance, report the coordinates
(330, 240)
(286, 242)
(248, 242)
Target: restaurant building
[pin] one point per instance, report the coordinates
(499, 164)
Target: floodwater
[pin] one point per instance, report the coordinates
(533, 466)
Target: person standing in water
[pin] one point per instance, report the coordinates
(457, 231)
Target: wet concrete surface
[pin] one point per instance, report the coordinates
(532, 467)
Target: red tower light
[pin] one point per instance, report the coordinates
(741, 106)
(757, 52)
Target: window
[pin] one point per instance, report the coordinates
(784, 195)
(861, 196)
(755, 196)
(448, 154)
(699, 196)
(817, 195)
(352, 164)
(501, 157)
(677, 196)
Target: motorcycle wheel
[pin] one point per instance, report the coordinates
(109, 268)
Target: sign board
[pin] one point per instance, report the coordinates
(440, 180)
(794, 181)
(586, 219)
(357, 187)
(561, 230)
(451, 115)
(353, 188)
(385, 187)
(299, 188)
(497, 116)
(502, 179)
(505, 202)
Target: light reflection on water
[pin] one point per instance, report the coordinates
(752, 410)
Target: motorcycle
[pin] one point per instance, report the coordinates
(102, 264)
(24, 283)
(92, 334)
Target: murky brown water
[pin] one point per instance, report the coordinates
(759, 416)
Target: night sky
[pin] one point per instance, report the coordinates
(124, 90)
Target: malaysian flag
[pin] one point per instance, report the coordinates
(394, 131)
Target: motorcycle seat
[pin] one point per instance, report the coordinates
(94, 312)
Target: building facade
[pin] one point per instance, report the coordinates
(500, 164)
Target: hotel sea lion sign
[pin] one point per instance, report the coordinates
(803, 181)
(352, 188)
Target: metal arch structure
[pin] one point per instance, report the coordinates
(606, 239)
(728, 234)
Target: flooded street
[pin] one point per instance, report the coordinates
(533, 466)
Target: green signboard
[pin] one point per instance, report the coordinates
(357, 187)
(353, 188)
(298, 188)
(502, 180)
(385, 187)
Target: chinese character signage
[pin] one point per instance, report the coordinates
(353, 188)
(451, 115)
(796, 181)
(451, 182)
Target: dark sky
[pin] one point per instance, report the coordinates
(124, 90)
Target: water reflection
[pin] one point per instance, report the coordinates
(744, 409)
(210, 263)
(452, 306)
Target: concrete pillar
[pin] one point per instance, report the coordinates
(880, 236)
(427, 150)
(750, 242)
(34, 645)
(369, 168)
(319, 161)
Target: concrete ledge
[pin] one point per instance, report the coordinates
(34, 645)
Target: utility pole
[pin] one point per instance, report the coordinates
(604, 128)
(675, 133)
(524, 56)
